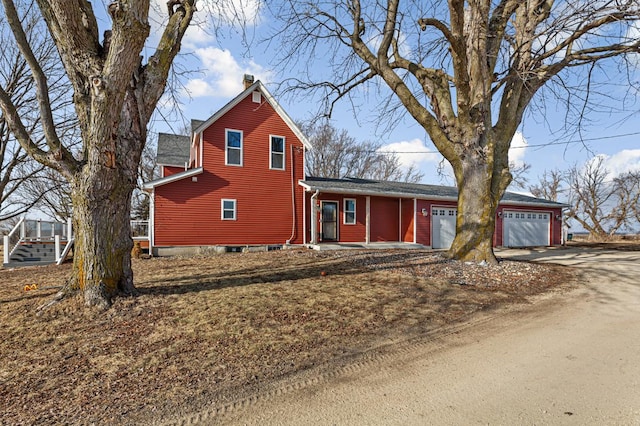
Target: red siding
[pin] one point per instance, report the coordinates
(423, 223)
(385, 219)
(189, 213)
(171, 170)
(407, 223)
(347, 233)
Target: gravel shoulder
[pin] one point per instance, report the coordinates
(567, 359)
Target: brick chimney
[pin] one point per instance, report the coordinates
(247, 81)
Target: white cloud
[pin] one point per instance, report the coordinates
(198, 88)
(412, 153)
(627, 160)
(518, 149)
(223, 74)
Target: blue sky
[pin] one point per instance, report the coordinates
(218, 64)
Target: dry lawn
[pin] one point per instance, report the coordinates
(206, 330)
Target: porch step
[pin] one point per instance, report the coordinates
(26, 263)
(32, 254)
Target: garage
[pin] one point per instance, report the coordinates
(443, 227)
(526, 229)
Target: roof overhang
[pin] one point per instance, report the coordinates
(325, 190)
(150, 186)
(328, 190)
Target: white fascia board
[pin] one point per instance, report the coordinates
(531, 204)
(272, 101)
(283, 114)
(149, 186)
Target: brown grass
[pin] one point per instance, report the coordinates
(206, 329)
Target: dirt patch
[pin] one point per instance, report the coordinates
(207, 329)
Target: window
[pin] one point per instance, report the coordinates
(228, 209)
(233, 143)
(256, 97)
(277, 153)
(349, 211)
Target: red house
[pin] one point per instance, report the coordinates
(239, 181)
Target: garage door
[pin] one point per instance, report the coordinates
(525, 229)
(443, 227)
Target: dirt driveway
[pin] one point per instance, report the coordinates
(568, 359)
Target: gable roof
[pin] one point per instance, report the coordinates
(257, 86)
(356, 186)
(173, 150)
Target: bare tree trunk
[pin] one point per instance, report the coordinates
(477, 205)
(102, 252)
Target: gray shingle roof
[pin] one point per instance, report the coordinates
(399, 189)
(173, 150)
(195, 124)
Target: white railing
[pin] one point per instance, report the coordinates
(140, 229)
(29, 230)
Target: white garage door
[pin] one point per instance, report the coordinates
(525, 229)
(443, 227)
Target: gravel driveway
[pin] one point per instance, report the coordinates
(570, 358)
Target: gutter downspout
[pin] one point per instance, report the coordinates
(293, 201)
(314, 218)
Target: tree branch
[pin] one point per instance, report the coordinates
(155, 73)
(42, 91)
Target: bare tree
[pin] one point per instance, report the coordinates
(550, 185)
(519, 173)
(336, 154)
(602, 205)
(17, 169)
(114, 95)
(464, 70)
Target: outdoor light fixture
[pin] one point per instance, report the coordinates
(499, 214)
(425, 212)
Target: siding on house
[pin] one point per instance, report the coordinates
(189, 212)
(407, 223)
(385, 217)
(346, 232)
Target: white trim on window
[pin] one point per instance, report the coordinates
(277, 154)
(349, 214)
(233, 149)
(228, 211)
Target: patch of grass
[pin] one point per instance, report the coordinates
(205, 327)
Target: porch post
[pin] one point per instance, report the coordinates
(69, 229)
(367, 236)
(56, 238)
(6, 248)
(415, 220)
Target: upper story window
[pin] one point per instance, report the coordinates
(277, 153)
(349, 211)
(233, 148)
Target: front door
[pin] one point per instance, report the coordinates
(329, 221)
